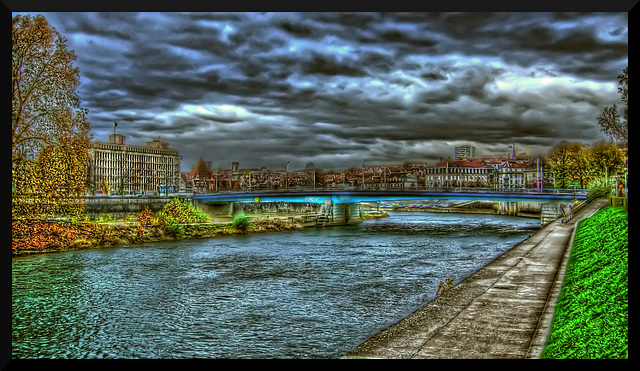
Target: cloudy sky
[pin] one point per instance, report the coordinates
(338, 88)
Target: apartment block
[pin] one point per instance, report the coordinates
(118, 168)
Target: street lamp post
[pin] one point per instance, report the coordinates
(286, 175)
(385, 174)
(365, 160)
(217, 171)
(538, 174)
(626, 168)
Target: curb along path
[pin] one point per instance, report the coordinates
(504, 310)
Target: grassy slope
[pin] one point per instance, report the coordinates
(591, 314)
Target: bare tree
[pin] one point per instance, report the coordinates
(609, 121)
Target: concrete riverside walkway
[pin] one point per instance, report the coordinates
(503, 310)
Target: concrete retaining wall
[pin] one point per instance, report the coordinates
(119, 207)
(216, 210)
(548, 213)
(529, 207)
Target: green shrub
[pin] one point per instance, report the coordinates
(145, 217)
(599, 186)
(169, 225)
(201, 217)
(175, 229)
(158, 218)
(240, 222)
(183, 212)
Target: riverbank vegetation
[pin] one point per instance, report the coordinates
(591, 314)
(177, 220)
(240, 222)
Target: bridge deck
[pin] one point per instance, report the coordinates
(363, 195)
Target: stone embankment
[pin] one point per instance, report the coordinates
(522, 209)
(503, 310)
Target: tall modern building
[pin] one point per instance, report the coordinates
(465, 152)
(118, 168)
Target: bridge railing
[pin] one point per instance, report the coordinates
(424, 189)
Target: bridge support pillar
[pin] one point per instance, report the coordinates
(352, 213)
(342, 214)
(509, 208)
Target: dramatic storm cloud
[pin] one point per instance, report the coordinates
(337, 88)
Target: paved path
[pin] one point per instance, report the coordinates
(504, 310)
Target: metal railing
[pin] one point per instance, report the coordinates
(569, 212)
(567, 191)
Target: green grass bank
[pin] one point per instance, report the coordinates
(591, 314)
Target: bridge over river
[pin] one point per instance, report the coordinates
(342, 205)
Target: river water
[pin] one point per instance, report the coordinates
(314, 293)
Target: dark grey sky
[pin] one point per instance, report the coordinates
(338, 88)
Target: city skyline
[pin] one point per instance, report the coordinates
(339, 88)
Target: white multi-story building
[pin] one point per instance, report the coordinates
(519, 173)
(460, 173)
(465, 152)
(118, 168)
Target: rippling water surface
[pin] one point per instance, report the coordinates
(315, 293)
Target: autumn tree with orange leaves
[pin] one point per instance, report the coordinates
(50, 132)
